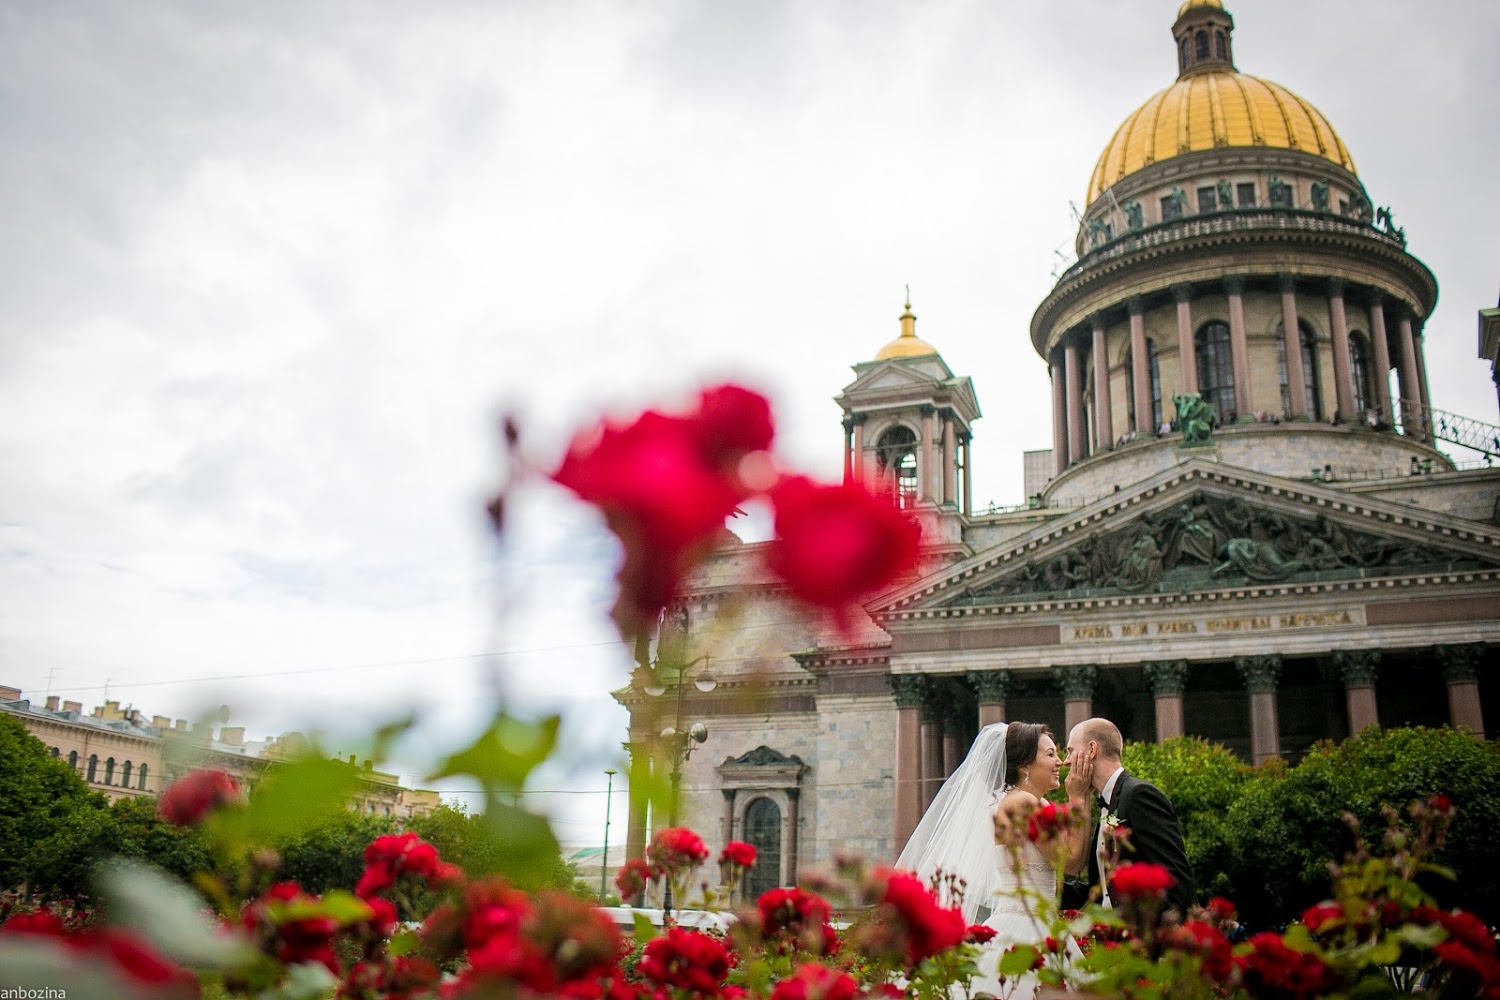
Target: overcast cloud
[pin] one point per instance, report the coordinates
(269, 271)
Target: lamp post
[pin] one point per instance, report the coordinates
(609, 792)
(680, 744)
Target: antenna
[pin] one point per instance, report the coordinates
(51, 672)
(1077, 215)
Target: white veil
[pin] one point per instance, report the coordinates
(957, 833)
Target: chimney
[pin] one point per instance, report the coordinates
(9, 693)
(161, 722)
(52, 703)
(233, 735)
(73, 706)
(180, 725)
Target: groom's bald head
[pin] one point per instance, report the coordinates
(1103, 733)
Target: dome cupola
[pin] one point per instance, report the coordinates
(1204, 32)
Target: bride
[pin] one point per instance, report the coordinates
(1008, 770)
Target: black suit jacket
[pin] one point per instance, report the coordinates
(1154, 837)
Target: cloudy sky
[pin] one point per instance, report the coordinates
(270, 271)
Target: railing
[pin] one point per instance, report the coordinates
(1463, 431)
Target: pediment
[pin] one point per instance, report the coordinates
(1201, 527)
(896, 374)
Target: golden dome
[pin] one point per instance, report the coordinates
(1213, 110)
(1215, 4)
(908, 345)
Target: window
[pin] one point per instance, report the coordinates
(125, 775)
(1216, 369)
(73, 760)
(1154, 380)
(1200, 44)
(93, 772)
(109, 771)
(1309, 372)
(896, 458)
(1221, 46)
(1208, 200)
(1359, 362)
(763, 832)
(1281, 193)
(1245, 195)
(141, 781)
(1171, 206)
(1182, 55)
(56, 752)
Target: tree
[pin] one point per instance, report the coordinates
(40, 795)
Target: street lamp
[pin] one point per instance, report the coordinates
(679, 744)
(609, 792)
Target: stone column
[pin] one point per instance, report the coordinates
(1140, 369)
(908, 689)
(950, 462)
(954, 723)
(1343, 367)
(1461, 671)
(848, 450)
(1187, 348)
(1382, 351)
(1104, 421)
(1167, 678)
(932, 746)
(1078, 445)
(793, 811)
(1261, 674)
(728, 814)
(992, 688)
(1358, 668)
(1077, 683)
(928, 479)
(859, 449)
(1059, 416)
(1427, 421)
(963, 442)
(1413, 419)
(1239, 350)
(1291, 342)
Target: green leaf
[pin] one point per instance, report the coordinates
(404, 943)
(1017, 961)
(294, 796)
(1422, 937)
(171, 916)
(307, 981)
(526, 850)
(645, 930)
(504, 754)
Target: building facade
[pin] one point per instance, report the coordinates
(1244, 530)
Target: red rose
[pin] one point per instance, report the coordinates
(686, 960)
(1047, 821)
(1271, 969)
(43, 923)
(917, 922)
(1441, 803)
(1221, 909)
(1140, 880)
(979, 934)
(674, 850)
(492, 908)
(632, 877)
(738, 853)
(815, 981)
(1323, 915)
(793, 918)
(1468, 930)
(140, 963)
(731, 423)
(1204, 940)
(390, 856)
(837, 544)
(193, 796)
(293, 941)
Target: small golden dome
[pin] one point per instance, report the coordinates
(1212, 110)
(1215, 4)
(908, 345)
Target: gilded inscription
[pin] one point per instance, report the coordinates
(1133, 628)
(1176, 628)
(1093, 632)
(1247, 624)
(1215, 626)
(1315, 619)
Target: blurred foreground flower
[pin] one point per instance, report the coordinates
(192, 797)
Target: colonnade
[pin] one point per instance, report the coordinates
(929, 746)
(942, 448)
(1070, 438)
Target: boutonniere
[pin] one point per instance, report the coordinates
(1111, 821)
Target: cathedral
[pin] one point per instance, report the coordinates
(1243, 531)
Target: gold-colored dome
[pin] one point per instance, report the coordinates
(908, 345)
(1212, 110)
(1215, 4)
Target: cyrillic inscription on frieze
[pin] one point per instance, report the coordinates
(1213, 626)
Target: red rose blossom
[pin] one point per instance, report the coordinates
(837, 544)
(1047, 822)
(390, 856)
(1323, 915)
(737, 852)
(674, 850)
(815, 981)
(914, 920)
(193, 796)
(979, 934)
(795, 919)
(1272, 970)
(686, 960)
(632, 877)
(1140, 880)
(1204, 940)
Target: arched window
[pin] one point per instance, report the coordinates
(1216, 369)
(141, 781)
(1182, 55)
(1155, 383)
(125, 775)
(896, 460)
(56, 752)
(763, 831)
(1359, 363)
(73, 760)
(109, 771)
(93, 772)
(1221, 47)
(1200, 44)
(1309, 371)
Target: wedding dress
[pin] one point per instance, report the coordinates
(1024, 885)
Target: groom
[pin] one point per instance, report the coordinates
(1094, 748)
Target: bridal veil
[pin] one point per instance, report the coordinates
(957, 833)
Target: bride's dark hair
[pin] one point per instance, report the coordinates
(1021, 739)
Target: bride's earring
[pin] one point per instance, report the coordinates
(1024, 779)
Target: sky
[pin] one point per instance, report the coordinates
(270, 273)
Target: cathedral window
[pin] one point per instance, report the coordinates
(1221, 46)
(1208, 200)
(1182, 56)
(1309, 371)
(1281, 193)
(1245, 195)
(763, 832)
(1359, 362)
(1155, 384)
(1216, 370)
(896, 461)
(1200, 44)
(1173, 205)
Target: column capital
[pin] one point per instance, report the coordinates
(1357, 667)
(990, 685)
(1336, 287)
(910, 689)
(1460, 663)
(792, 794)
(728, 794)
(1286, 283)
(934, 705)
(927, 409)
(848, 425)
(1167, 677)
(1234, 285)
(1136, 304)
(1096, 321)
(1182, 291)
(1260, 673)
(1076, 681)
(1374, 298)
(859, 418)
